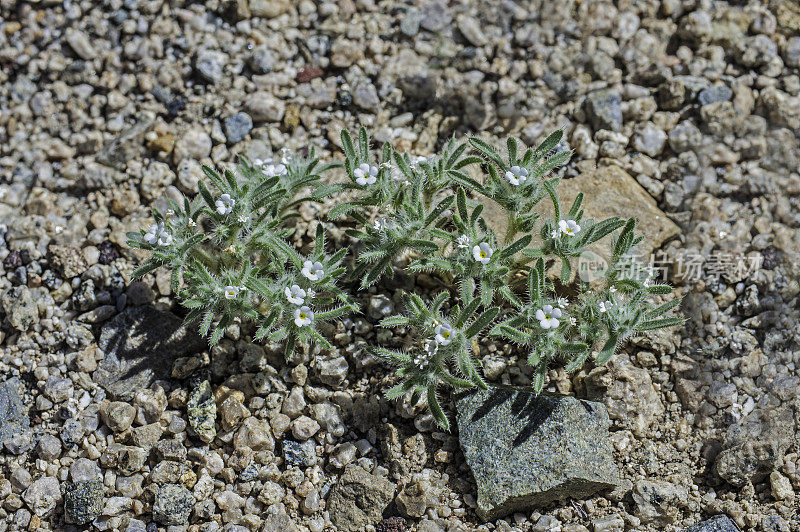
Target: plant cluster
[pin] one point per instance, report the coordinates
(230, 258)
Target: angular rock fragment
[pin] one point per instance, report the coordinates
(140, 346)
(358, 499)
(526, 451)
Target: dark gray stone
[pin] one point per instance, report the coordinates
(526, 451)
(358, 499)
(237, 127)
(718, 523)
(714, 94)
(83, 501)
(172, 505)
(140, 346)
(604, 109)
(297, 454)
(13, 420)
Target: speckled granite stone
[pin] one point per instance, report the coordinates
(527, 451)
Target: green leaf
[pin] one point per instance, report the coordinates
(342, 209)
(398, 390)
(539, 377)
(510, 250)
(576, 206)
(515, 335)
(482, 321)
(659, 324)
(511, 142)
(461, 203)
(547, 145)
(347, 147)
(436, 410)
(144, 269)
(363, 143)
(487, 150)
(566, 271)
(608, 350)
(395, 321)
(663, 309)
(659, 289)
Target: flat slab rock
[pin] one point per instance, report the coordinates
(718, 523)
(140, 346)
(608, 191)
(526, 451)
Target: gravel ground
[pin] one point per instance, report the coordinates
(109, 107)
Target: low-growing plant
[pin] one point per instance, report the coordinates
(230, 259)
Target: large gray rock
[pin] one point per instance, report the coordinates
(13, 420)
(718, 523)
(358, 499)
(140, 346)
(526, 451)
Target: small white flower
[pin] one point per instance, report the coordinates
(463, 241)
(482, 252)
(295, 294)
(170, 212)
(192, 223)
(569, 227)
(225, 204)
(157, 234)
(310, 293)
(230, 292)
(556, 233)
(417, 160)
(303, 316)
(242, 219)
(605, 306)
(151, 236)
(516, 175)
(612, 289)
(444, 334)
(431, 347)
(274, 169)
(548, 317)
(313, 270)
(562, 302)
(366, 174)
(572, 320)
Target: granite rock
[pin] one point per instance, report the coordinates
(526, 451)
(83, 501)
(718, 523)
(173, 504)
(13, 420)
